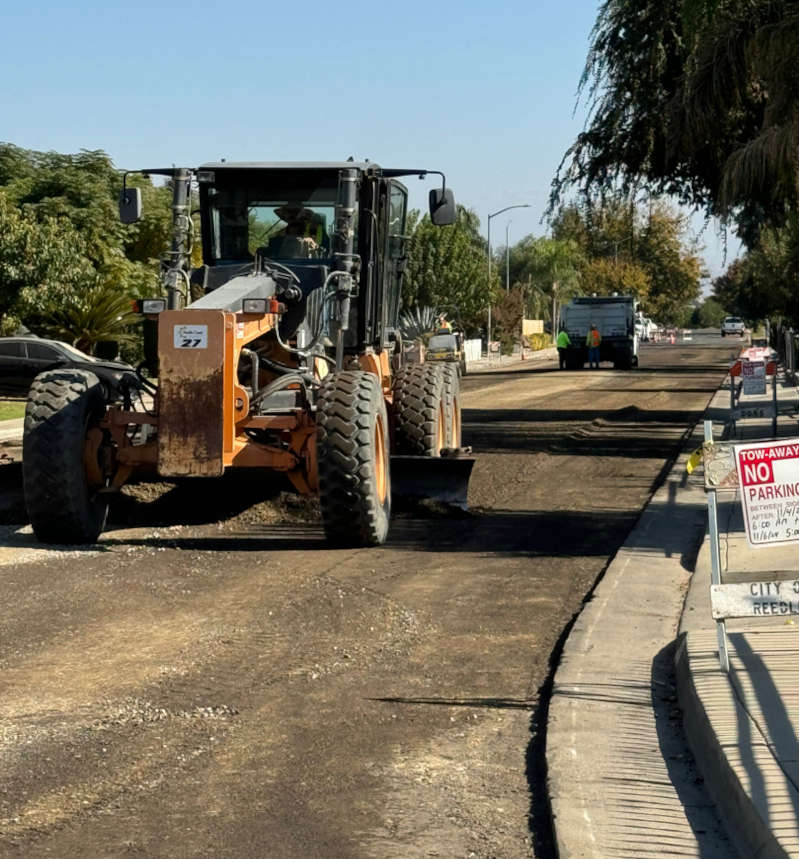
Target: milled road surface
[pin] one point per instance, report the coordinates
(222, 684)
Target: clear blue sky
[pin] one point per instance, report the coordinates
(485, 92)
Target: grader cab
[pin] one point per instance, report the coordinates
(281, 352)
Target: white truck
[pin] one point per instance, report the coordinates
(614, 317)
(733, 325)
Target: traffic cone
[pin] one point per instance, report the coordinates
(671, 339)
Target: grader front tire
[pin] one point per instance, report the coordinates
(352, 443)
(63, 407)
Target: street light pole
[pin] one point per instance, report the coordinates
(493, 215)
(507, 257)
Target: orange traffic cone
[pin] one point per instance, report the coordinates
(671, 339)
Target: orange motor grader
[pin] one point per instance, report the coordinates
(281, 353)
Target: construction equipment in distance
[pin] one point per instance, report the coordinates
(614, 317)
(281, 352)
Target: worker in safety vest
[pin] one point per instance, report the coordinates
(592, 341)
(563, 342)
(444, 326)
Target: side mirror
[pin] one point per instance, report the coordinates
(442, 207)
(130, 205)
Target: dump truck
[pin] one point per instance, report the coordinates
(614, 317)
(280, 353)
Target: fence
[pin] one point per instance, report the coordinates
(473, 349)
(784, 341)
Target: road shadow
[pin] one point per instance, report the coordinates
(698, 808)
(628, 432)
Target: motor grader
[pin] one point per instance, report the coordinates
(280, 353)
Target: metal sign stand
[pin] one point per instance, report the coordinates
(715, 557)
(760, 410)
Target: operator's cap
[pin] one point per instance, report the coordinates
(291, 213)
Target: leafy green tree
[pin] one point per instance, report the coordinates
(508, 311)
(547, 271)
(710, 314)
(644, 251)
(606, 276)
(40, 261)
(61, 241)
(448, 266)
(674, 269)
(692, 98)
(763, 282)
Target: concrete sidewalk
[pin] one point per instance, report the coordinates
(743, 727)
(621, 780)
(11, 431)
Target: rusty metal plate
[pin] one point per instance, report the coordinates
(191, 346)
(720, 469)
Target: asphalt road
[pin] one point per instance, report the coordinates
(213, 681)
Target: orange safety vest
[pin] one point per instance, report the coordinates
(593, 338)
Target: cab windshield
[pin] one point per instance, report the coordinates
(285, 220)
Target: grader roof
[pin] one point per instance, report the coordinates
(365, 166)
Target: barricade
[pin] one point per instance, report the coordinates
(766, 474)
(752, 368)
(473, 349)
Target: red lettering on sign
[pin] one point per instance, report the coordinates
(759, 472)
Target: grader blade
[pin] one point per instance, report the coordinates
(444, 478)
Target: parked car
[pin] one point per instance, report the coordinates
(733, 325)
(23, 358)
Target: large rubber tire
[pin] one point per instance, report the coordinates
(420, 410)
(352, 449)
(452, 404)
(63, 405)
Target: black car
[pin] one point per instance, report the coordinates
(23, 358)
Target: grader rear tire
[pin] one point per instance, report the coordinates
(452, 404)
(62, 502)
(352, 448)
(420, 409)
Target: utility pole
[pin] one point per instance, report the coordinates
(554, 312)
(507, 256)
(493, 215)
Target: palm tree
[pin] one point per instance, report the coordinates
(100, 312)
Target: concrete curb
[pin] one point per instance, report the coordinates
(699, 679)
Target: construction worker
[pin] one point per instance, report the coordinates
(563, 342)
(592, 341)
(444, 325)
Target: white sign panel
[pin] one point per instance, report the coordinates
(755, 599)
(753, 375)
(769, 480)
(191, 336)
